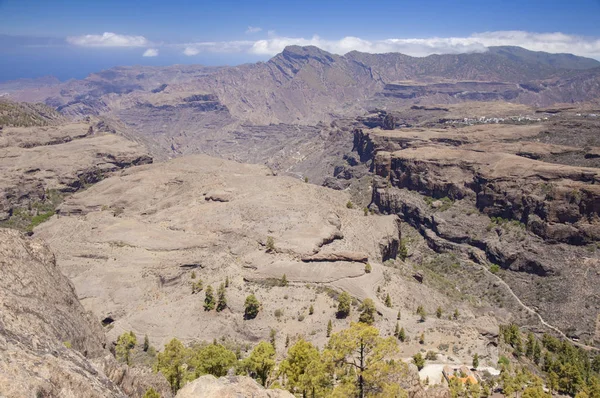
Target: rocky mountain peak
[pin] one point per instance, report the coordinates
(307, 53)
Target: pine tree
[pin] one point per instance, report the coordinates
(209, 300)
(261, 361)
(365, 357)
(367, 314)
(438, 312)
(170, 363)
(284, 281)
(344, 302)
(399, 316)
(518, 345)
(530, 345)
(329, 328)
(273, 337)
(146, 343)
(368, 268)
(125, 343)
(397, 330)
(287, 340)
(222, 300)
(299, 366)
(311, 310)
(251, 307)
(402, 335)
(227, 281)
(537, 353)
(422, 338)
(388, 301)
(475, 361)
(419, 361)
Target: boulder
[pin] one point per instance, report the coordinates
(209, 386)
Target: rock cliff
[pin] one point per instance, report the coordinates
(46, 337)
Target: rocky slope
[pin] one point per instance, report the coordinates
(46, 337)
(40, 164)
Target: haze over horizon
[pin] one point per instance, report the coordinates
(70, 39)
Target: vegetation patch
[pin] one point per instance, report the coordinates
(446, 203)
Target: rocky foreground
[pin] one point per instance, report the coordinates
(52, 347)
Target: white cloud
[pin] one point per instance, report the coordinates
(151, 52)
(253, 29)
(549, 42)
(478, 42)
(108, 39)
(217, 47)
(189, 51)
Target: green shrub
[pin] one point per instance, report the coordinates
(151, 393)
(270, 244)
(251, 307)
(419, 361)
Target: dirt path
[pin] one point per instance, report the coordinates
(531, 310)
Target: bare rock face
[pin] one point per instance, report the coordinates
(133, 381)
(209, 386)
(45, 334)
(339, 256)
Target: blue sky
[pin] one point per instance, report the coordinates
(73, 38)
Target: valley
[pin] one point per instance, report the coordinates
(457, 193)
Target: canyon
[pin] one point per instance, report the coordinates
(467, 183)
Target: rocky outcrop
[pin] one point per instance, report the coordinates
(133, 381)
(46, 337)
(558, 203)
(209, 386)
(337, 256)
